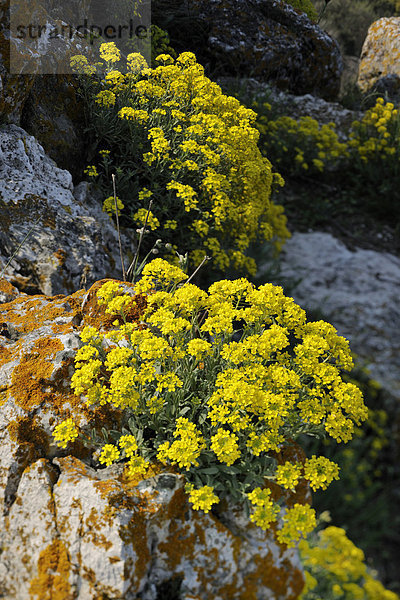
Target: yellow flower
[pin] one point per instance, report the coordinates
(109, 205)
(109, 454)
(203, 498)
(142, 215)
(129, 444)
(297, 522)
(288, 475)
(266, 511)
(225, 445)
(91, 171)
(320, 472)
(65, 432)
(109, 52)
(136, 62)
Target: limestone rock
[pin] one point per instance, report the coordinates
(70, 530)
(357, 292)
(71, 241)
(265, 39)
(380, 54)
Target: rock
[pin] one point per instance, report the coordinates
(351, 67)
(45, 104)
(70, 242)
(388, 87)
(380, 54)
(268, 40)
(14, 89)
(53, 113)
(93, 533)
(356, 291)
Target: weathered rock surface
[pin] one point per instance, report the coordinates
(266, 39)
(47, 106)
(380, 56)
(358, 292)
(71, 241)
(70, 530)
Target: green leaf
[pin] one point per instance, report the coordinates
(210, 470)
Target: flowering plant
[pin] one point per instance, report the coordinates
(217, 384)
(170, 135)
(335, 569)
(299, 147)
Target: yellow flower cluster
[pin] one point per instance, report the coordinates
(302, 145)
(65, 432)
(185, 450)
(298, 521)
(110, 53)
(206, 142)
(299, 145)
(202, 498)
(225, 445)
(335, 569)
(266, 511)
(143, 215)
(378, 132)
(223, 378)
(320, 472)
(109, 205)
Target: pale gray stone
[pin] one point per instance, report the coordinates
(70, 241)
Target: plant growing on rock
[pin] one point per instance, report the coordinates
(217, 384)
(169, 134)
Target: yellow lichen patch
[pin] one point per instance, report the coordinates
(52, 580)
(28, 314)
(5, 355)
(61, 256)
(74, 469)
(29, 377)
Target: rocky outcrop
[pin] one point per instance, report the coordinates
(71, 530)
(31, 93)
(380, 56)
(69, 241)
(265, 39)
(357, 291)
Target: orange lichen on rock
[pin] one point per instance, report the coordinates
(52, 580)
(283, 582)
(39, 359)
(34, 369)
(380, 55)
(181, 539)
